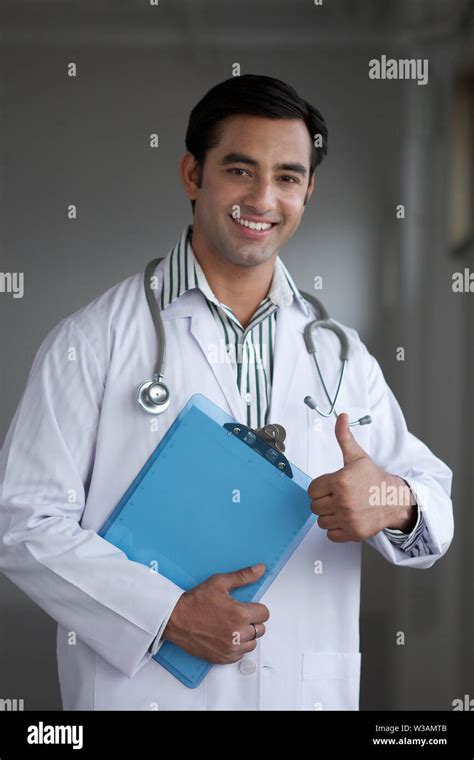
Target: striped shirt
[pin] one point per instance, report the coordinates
(251, 349)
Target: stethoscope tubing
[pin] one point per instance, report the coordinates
(153, 395)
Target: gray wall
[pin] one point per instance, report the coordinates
(85, 141)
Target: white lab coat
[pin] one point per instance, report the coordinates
(79, 438)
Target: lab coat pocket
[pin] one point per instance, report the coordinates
(330, 680)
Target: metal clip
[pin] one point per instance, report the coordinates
(266, 441)
(274, 435)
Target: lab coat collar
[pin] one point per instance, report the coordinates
(288, 356)
(181, 258)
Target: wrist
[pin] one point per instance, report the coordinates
(171, 629)
(403, 519)
(404, 514)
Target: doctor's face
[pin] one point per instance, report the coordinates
(259, 170)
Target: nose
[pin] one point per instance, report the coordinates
(260, 198)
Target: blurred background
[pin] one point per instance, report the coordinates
(85, 140)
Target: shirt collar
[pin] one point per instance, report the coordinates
(182, 272)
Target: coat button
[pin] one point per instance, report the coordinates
(247, 666)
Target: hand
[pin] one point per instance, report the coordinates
(346, 500)
(208, 623)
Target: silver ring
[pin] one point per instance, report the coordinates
(255, 628)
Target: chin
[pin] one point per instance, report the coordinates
(253, 258)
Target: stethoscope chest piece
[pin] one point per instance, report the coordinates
(154, 396)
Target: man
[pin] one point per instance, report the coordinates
(79, 438)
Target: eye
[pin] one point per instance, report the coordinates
(293, 179)
(237, 169)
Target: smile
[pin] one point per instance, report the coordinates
(253, 229)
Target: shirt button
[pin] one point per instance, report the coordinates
(247, 667)
(248, 398)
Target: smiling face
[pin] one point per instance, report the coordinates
(258, 171)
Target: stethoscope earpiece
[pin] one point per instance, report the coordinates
(309, 401)
(154, 396)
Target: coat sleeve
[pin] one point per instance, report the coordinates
(399, 452)
(114, 605)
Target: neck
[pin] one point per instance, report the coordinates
(240, 288)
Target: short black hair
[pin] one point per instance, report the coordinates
(257, 96)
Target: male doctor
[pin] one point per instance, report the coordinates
(79, 438)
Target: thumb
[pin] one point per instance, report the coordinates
(243, 576)
(348, 444)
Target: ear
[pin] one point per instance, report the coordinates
(190, 172)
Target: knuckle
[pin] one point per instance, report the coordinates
(343, 479)
(241, 575)
(242, 616)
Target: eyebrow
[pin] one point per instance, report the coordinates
(241, 158)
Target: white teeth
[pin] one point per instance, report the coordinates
(259, 226)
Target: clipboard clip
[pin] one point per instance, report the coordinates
(266, 441)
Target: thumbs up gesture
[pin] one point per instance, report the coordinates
(348, 501)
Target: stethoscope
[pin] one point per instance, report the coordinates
(154, 394)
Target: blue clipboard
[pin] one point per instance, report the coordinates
(213, 497)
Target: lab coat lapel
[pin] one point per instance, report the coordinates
(289, 354)
(206, 332)
(289, 351)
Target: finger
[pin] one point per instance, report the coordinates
(347, 443)
(255, 612)
(241, 577)
(244, 648)
(260, 630)
(328, 522)
(337, 535)
(321, 486)
(324, 506)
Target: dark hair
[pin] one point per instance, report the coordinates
(257, 96)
